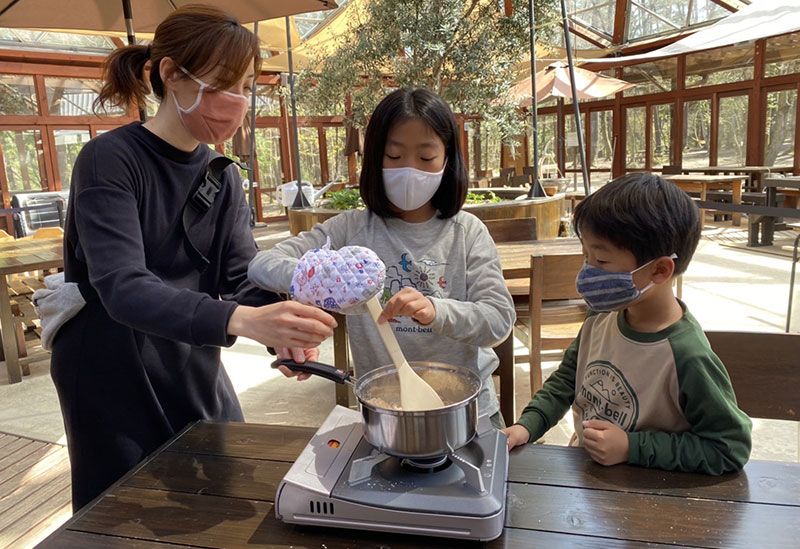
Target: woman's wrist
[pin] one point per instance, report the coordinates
(237, 323)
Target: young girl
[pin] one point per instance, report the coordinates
(141, 359)
(444, 294)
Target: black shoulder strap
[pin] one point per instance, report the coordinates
(199, 202)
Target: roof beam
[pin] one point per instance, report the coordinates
(727, 5)
(620, 12)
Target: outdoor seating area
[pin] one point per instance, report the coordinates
(376, 117)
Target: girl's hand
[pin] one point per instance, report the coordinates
(517, 435)
(298, 355)
(606, 443)
(284, 324)
(409, 302)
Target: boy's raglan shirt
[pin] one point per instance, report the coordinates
(667, 389)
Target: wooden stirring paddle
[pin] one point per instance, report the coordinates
(415, 393)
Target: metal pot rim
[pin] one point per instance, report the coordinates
(364, 380)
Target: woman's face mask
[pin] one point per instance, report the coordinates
(409, 188)
(215, 114)
(607, 291)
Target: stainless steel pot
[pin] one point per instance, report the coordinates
(418, 434)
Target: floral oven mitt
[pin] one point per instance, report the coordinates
(340, 280)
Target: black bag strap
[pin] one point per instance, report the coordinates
(199, 202)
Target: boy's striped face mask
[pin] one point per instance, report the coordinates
(607, 291)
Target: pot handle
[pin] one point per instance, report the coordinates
(317, 368)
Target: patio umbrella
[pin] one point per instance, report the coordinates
(554, 82)
(108, 15)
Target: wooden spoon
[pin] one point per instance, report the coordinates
(415, 393)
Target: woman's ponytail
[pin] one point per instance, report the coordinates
(124, 79)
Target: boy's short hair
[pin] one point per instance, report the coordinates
(642, 213)
(410, 104)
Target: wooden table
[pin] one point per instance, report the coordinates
(515, 258)
(213, 486)
(755, 173)
(21, 256)
(704, 183)
(767, 222)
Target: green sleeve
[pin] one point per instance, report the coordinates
(553, 400)
(718, 440)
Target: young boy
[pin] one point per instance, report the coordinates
(644, 385)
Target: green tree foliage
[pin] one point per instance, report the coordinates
(464, 50)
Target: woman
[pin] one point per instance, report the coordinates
(142, 358)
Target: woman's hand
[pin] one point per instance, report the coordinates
(284, 324)
(409, 302)
(300, 355)
(517, 435)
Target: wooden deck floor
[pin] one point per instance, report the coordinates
(34, 490)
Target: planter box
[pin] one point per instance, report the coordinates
(546, 210)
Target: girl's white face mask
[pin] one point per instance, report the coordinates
(409, 188)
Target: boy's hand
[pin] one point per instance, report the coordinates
(409, 302)
(606, 443)
(517, 435)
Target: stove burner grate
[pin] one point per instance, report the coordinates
(431, 465)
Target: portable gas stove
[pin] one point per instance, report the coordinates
(342, 481)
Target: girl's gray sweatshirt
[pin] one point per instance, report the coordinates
(452, 261)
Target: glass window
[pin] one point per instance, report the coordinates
(74, 43)
(661, 136)
(601, 139)
(573, 158)
(732, 139)
(73, 97)
(696, 133)
(720, 66)
(782, 55)
(650, 17)
(68, 144)
(17, 94)
(310, 169)
(490, 145)
(634, 137)
(22, 151)
(654, 77)
(781, 116)
(596, 14)
(267, 101)
(268, 150)
(337, 161)
(485, 143)
(547, 145)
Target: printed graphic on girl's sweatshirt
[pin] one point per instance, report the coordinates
(605, 394)
(426, 275)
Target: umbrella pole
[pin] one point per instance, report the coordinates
(251, 166)
(536, 186)
(578, 125)
(300, 200)
(126, 11)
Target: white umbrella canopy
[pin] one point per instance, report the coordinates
(555, 81)
(107, 15)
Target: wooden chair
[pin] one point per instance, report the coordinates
(49, 232)
(509, 230)
(505, 371)
(764, 370)
(508, 172)
(519, 180)
(553, 313)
